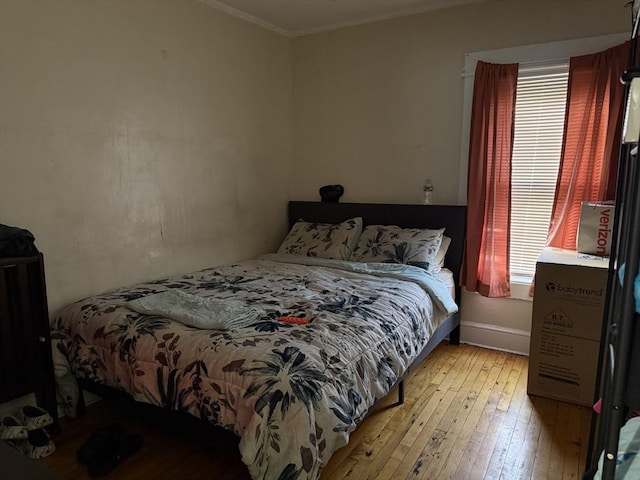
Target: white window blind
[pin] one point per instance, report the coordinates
(539, 124)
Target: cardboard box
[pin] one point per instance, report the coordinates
(568, 308)
(594, 229)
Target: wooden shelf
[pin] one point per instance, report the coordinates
(26, 364)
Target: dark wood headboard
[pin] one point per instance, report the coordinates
(451, 217)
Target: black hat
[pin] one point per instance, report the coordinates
(331, 193)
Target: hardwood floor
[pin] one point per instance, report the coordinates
(466, 416)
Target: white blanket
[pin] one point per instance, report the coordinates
(197, 311)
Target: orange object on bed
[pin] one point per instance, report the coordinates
(294, 320)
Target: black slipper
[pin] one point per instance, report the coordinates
(108, 460)
(104, 439)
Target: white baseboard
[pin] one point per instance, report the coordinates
(495, 337)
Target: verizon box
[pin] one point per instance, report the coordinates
(594, 229)
(568, 306)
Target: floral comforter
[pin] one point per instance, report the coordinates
(292, 393)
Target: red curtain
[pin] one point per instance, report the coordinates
(486, 264)
(590, 150)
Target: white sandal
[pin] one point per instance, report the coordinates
(38, 445)
(34, 418)
(12, 429)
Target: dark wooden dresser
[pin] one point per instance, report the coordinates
(26, 365)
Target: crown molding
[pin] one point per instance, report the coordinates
(435, 5)
(245, 16)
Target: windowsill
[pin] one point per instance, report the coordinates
(520, 287)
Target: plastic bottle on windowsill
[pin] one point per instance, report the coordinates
(427, 192)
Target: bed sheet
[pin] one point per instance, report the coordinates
(292, 393)
(446, 277)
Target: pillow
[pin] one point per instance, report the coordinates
(323, 240)
(391, 244)
(442, 252)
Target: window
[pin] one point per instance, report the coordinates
(539, 124)
(528, 56)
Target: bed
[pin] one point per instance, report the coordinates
(311, 346)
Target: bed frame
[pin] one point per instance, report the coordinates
(451, 217)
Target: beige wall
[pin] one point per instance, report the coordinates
(140, 138)
(378, 108)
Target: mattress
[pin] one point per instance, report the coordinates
(446, 277)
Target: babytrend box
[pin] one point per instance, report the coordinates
(568, 308)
